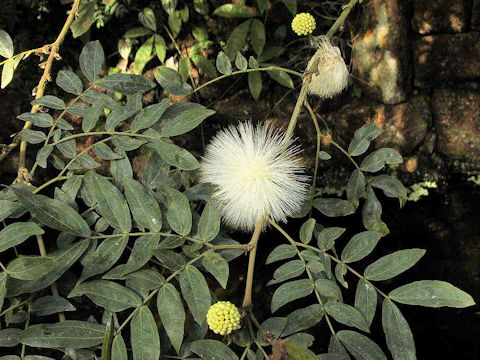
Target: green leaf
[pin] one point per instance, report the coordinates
(144, 207)
(107, 294)
(340, 271)
(175, 23)
(255, 84)
(160, 47)
(53, 213)
(9, 208)
(391, 187)
(121, 168)
(253, 63)
(49, 305)
(147, 19)
(110, 202)
(195, 292)
(16, 233)
(209, 223)
(169, 6)
(49, 101)
(42, 156)
(306, 231)
(68, 148)
(102, 150)
(328, 288)
(366, 300)
(333, 207)
(298, 351)
(119, 350)
(141, 252)
(237, 39)
(347, 315)
(223, 64)
(281, 252)
(156, 172)
(3, 288)
(91, 60)
(291, 5)
(379, 158)
(326, 237)
(212, 350)
(302, 319)
(257, 36)
(216, 265)
(70, 334)
(43, 120)
(356, 187)
(291, 291)
(393, 264)
(6, 45)
(288, 271)
(360, 245)
(148, 116)
(33, 136)
(30, 267)
(335, 347)
(65, 257)
(360, 346)
(372, 214)
(9, 336)
(201, 6)
(104, 257)
(143, 56)
(92, 115)
(145, 279)
(70, 82)
(281, 77)
(183, 117)
(362, 137)
(431, 293)
(170, 259)
(205, 65)
(84, 20)
(322, 155)
(171, 81)
(397, 332)
(172, 314)
(7, 73)
(126, 84)
(234, 10)
(179, 215)
(144, 335)
(240, 62)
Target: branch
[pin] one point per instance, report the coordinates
(40, 90)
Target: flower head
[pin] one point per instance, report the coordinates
(223, 317)
(303, 24)
(331, 74)
(256, 173)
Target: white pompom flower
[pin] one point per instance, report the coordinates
(256, 173)
(331, 75)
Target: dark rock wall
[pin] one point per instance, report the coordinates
(417, 65)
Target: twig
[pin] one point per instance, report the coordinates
(43, 82)
(307, 76)
(247, 299)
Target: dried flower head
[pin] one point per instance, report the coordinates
(331, 74)
(223, 317)
(303, 24)
(256, 173)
